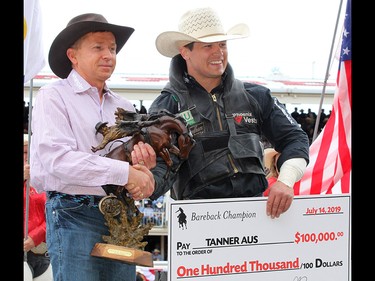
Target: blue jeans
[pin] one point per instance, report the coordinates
(72, 231)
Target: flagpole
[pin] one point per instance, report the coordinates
(317, 121)
(34, 61)
(28, 161)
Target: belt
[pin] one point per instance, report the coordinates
(91, 200)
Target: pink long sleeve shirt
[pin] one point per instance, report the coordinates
(63, 131)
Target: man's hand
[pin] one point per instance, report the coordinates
(28, 244)
(280, 198)
(141, 182)
(144, 154)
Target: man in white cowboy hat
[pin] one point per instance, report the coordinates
(65, 113)
(156, 255)
(227, 118)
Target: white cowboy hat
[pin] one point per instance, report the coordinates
(197, 25)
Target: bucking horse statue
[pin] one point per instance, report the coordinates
(156, 129)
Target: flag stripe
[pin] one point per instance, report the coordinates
(345, 129)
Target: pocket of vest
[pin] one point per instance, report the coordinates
(245, 145)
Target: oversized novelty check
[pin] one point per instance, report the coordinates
(234, 239)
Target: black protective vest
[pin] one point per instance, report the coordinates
(220, 154)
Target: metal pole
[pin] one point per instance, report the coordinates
(26, 219)
(317, 121)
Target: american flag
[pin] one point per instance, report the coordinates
(330, 167)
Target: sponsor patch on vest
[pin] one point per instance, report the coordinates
(187, 116)
(246, 117)
(197, 129)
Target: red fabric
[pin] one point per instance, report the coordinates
(37, 220)
(329, 170)
(271, 181)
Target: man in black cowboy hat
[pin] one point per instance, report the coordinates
(62, 163)
(227, 117)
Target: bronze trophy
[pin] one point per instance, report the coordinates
(123, 218)
(126, 232)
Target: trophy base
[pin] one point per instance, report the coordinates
(123, 254)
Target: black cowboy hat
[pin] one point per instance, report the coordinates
(76, 28)
(99, 125)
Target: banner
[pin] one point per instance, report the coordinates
(234, 240)
(33, 50)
